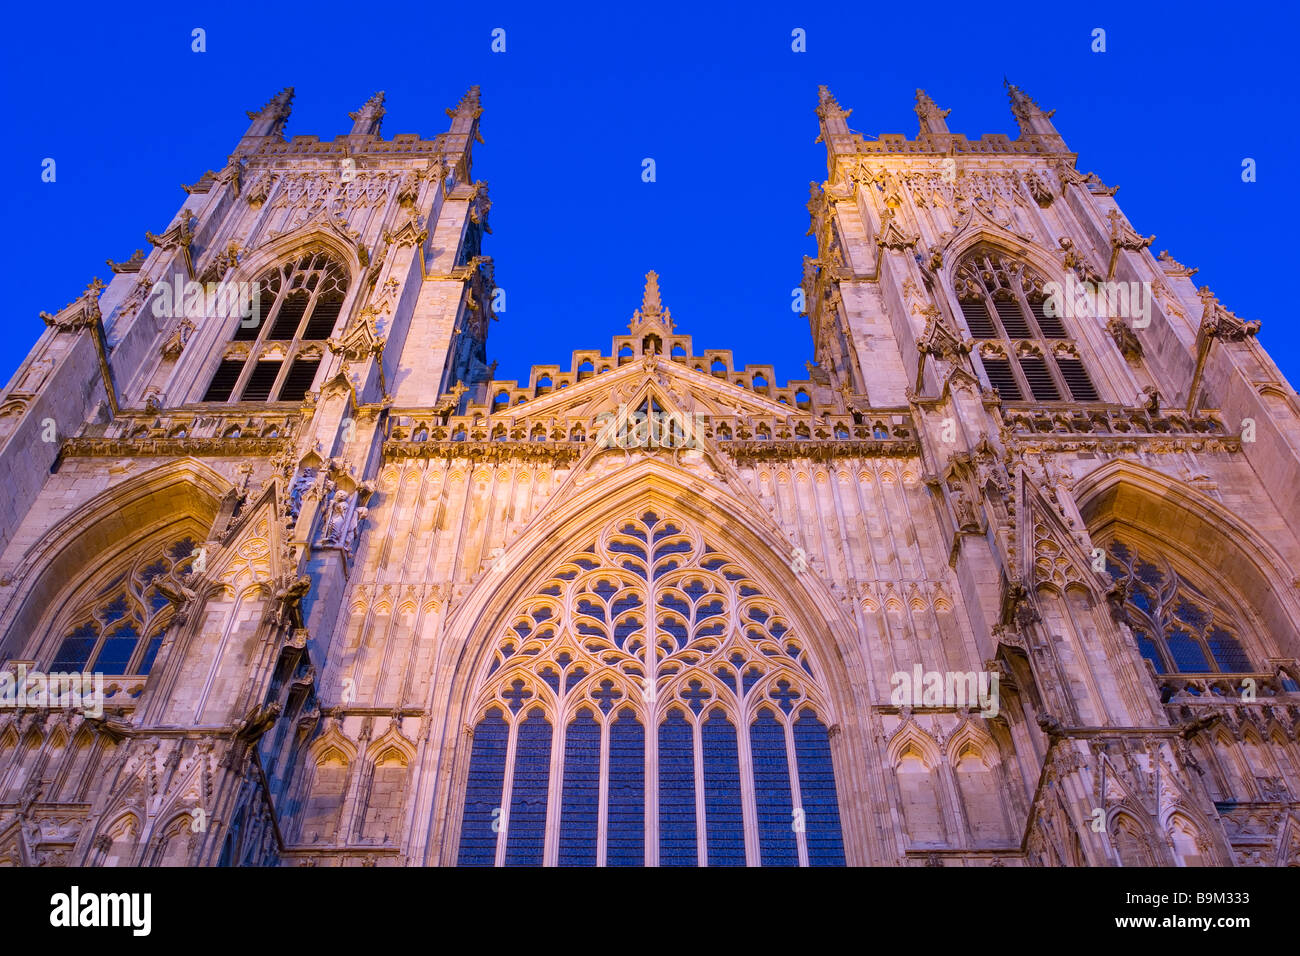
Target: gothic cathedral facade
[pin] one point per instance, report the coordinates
(1011, 579)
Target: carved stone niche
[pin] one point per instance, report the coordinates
(1126, 340)
(959, 479)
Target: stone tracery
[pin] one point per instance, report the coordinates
(653, 626)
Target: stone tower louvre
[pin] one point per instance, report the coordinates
(1009, 579)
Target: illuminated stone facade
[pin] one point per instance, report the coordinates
(1012, 578)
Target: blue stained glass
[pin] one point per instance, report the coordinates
(1188, 655)
(526, 830)
(182, 549)
(75, 650)
(710, 609)
(672, 547)
(151, 652)
(778, 845)
(1228, 652)
(1148, 649)
(625, 845)
(677, 792)
(115, 656)
(695, 589)
(487, 771)
(627, 602)
(1191, 614)
(723, 818)
(114, 610)
(821, 806)
(672, 602)
(580, 807)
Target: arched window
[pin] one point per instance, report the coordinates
(653, 685)
(1002, 300)
(1179, 627)
(298, 302)
(118, 627)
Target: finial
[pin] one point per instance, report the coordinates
(275, 106)
(469, 103)
(366, 121)
(928, 112)
(1022, 104)
(650, 303)
(827, 105)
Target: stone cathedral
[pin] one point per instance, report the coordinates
(1011, 579)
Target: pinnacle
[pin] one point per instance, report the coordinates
(650, 302)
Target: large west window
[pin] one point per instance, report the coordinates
(650, 704)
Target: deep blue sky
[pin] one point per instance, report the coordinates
(114, 94)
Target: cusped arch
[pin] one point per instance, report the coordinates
(580, 523)
(1191, 527)
(911, 740)
(311, 237)
(750, 541)
(182, 496)
(995, 239)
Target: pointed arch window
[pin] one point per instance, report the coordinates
(1002, 301)
(298, 304)
(1179, 627)
(118, 627)
(650, 704)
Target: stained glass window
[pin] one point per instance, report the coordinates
(670, 705)
(1178, 627)
(120, 626)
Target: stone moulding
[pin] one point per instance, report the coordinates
(171, 447)
(559, 453)
(821, 450)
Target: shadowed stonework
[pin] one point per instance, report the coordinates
(1008, 580)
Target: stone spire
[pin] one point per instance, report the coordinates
(1033, 121)
(367, 120)
(833, 119)
(650, 301)
(652, 315)
(931, 117)
(464, 115)
(270, 119)
(835, 132)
